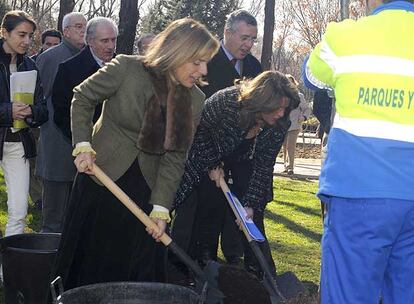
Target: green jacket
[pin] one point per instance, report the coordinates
(126, 87)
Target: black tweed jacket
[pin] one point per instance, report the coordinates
(218, 135)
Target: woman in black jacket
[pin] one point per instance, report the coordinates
(240, 133)
(17, 143)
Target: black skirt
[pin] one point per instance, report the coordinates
(102, 241)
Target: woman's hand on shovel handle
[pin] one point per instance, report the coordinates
(250, 212)
(249, 216)
(215, 174)
(157, 233)
(84, 162)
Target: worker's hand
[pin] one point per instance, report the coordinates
(161, 226)
(249, 216)
(215, 175)
(84, 162)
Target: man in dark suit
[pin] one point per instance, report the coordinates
(100, 38)
(233, 61)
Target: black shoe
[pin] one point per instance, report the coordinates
(290, 172)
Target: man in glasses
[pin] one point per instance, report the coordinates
(54, 163)
(233, 60)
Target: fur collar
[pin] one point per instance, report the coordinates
(168, 119)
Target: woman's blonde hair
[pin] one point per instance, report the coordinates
(184, 40)
(263, 94)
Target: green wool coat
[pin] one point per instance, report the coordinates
(125, 87)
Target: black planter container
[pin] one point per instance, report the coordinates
(27, 261)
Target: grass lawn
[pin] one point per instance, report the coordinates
(292, 221)
(294, 229)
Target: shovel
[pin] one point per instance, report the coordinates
(204, 279)
(285, 286)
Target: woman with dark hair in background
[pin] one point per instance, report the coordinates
(17, 143)
(240, 133)
(151, 107)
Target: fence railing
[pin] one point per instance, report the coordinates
(309, 134)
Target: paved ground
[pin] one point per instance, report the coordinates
(304, 168)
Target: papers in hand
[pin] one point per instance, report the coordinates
(22, 87)
(251, 228)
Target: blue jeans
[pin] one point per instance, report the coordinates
(368, 251)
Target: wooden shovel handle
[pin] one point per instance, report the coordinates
(128, 202)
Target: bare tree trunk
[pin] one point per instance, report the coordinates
(269, 25)
(66, 7)
(344, 9)
(128, 19)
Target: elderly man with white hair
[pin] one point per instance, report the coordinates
(100, 38)
(54, 163)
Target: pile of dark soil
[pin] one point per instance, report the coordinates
(242, 287)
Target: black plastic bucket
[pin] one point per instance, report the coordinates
(129, 293)
(27, 262)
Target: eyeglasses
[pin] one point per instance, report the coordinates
(245, 38)
(79, 27)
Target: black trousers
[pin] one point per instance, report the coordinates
(201, 218)
(55, 199)
(231, 241)
(210, 218)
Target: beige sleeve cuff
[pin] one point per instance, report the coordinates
(82, 147)
(161, 213)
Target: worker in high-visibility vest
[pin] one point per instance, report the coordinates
(367, 180)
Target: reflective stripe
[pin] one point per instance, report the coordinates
(327, 55)
(364, 167)
(375, 128)
(309, 77)
(375, 65)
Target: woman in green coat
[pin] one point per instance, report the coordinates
(151, 106)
